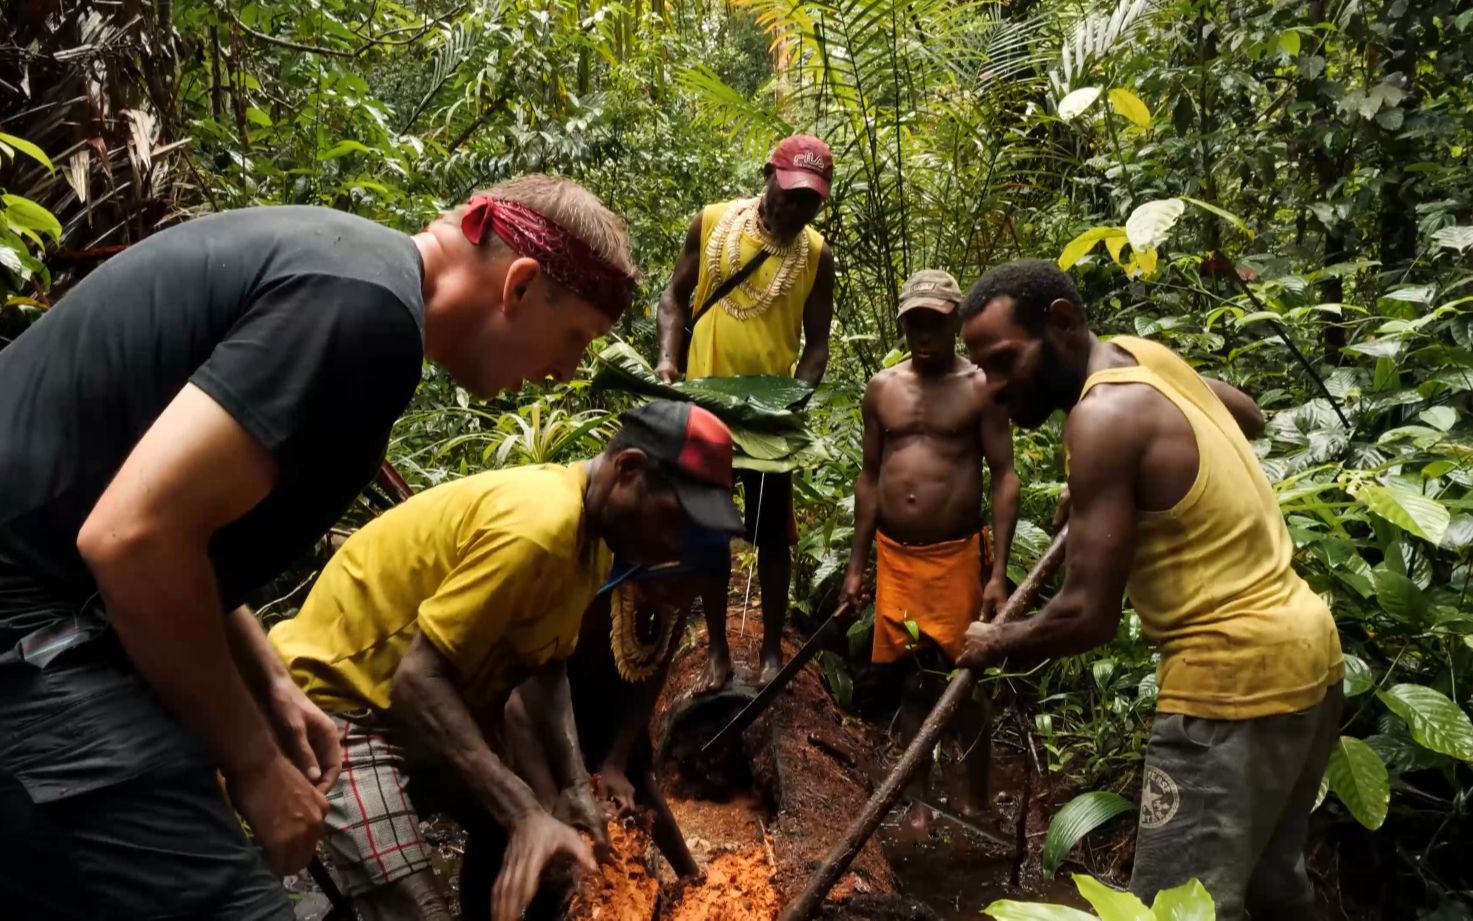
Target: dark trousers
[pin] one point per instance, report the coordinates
(1228, 802)
(110, 810)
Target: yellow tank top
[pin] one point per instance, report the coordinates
(1241, 634)
(764, 341)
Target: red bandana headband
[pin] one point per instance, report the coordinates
(565, 258)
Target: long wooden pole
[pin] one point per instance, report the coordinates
(885, 796)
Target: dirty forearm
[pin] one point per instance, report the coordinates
(424, 696)
(671, 322)
(254, 655)
(551, 706)
(866, 520)
(1065, 627)
(1005, 490)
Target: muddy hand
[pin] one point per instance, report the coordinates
(616, 787)
(1061, 511)
(284, 810)
(536, 839)
(667, 372)
(978, 652)
(308, 736)
(994, 598)
(851, 596)
(578, 807)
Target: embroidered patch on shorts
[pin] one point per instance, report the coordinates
(1160, 798)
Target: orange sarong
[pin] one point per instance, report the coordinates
(938, 586)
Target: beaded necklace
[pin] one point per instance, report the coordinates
(723, 259)
(637, 659)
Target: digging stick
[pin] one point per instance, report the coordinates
(884, 797)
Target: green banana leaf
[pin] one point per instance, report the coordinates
(767, 432)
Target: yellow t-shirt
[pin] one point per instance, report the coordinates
(495, 569)
(723, 345)
(1242, 635)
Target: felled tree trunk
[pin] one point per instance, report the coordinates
(759, 816)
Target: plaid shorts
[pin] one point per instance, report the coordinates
(373, 834)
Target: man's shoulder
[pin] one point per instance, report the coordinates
(1112, 413)
(539, 507)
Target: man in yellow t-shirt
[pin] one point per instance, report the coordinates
(753, 282)
(424, 622)
(1170, 503)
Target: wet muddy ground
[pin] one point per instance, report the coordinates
(758, 828)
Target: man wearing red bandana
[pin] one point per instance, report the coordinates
(753, 294)
(174, 433)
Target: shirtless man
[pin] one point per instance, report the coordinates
(1169, 502)
(928, 425)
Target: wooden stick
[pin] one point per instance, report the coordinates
(884, 797)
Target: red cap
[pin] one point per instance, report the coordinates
(696, 449)
(803, 162)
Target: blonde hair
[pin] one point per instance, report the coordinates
(572, 207)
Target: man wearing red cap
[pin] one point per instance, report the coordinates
(174, 433)
(753, 284)
(425, 621)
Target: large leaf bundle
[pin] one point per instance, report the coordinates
(768, 431)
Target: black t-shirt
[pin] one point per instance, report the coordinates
(305, 324)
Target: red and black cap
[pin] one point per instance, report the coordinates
(694, 448)
(803, 162)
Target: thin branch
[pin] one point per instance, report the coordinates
(337, 52)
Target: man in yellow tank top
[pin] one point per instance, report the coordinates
(726, 314)
(1170, 504)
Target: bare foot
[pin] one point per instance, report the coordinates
(771, 665)
(970, 810)
(918, 819)
(716, 676)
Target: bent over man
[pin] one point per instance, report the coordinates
(1169, 503)
(173, 433)
(426, 620)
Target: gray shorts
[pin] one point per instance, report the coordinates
(1228, 802)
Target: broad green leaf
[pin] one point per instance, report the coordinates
(1401, 754)
(1130, 106)
(1436, 723)
(26, 213)
(1358, 777)
(770, 390)
(1409, 510)
(1399, 596)
(1289, 42)
(1149, 224)
(10, 259)
(1111, 904)
(257, 117)
(1418, 294)
(343, 148)
(1223, 213)
(29, 149)
(1080, 816)
(1076, 102)
(1459, 238)
(1442, 418)
(1142, 263)
(1358, 678)
(1188, 902)
(1082, 244)
(1008, 910)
